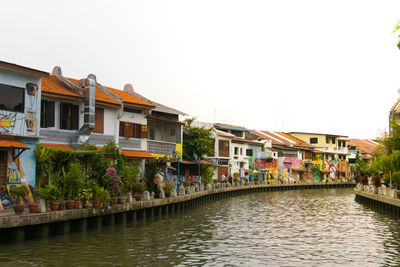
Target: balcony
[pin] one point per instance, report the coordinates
(160, 147)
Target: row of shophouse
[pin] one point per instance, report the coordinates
(54, 111)
(59, 112)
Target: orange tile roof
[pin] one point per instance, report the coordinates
(12, 143)
(101, 97)
(137, 154)
(57, 146)
(52, 86)
(298, 141)
(299, 169)
(131, 99)
(365, 145)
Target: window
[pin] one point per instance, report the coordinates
(69, 116)
(333, 140)
(172, 131)
(223, 147)
(132, 110)
(131, 130)
(3, 167)
(151, 132)
(47, 114)
(241, 151)
(327, 140)
(249, 152)
(99, 120)
(314, 140)
(236, 150)
(12, 98)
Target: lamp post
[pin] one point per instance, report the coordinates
(179, 183)
(117, 156)
(197, 158)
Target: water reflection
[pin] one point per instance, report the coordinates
(295, 228)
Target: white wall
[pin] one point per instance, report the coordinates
(133, 118)
(111, 123)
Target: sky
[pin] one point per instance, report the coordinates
(280, 65)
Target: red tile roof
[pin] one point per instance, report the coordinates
(136, 153)
(53, 87)
(12, 143)
(366, 146)
(57, 146)
(101, 97)
(131, 99)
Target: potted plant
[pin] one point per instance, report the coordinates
(50, 193)
(168, 187)
(138, 189)
(85, 195)
(19, 192)
(113, 182)
(122, 194)
(102, 196)
(376, 181)
(73, 178)
(257, 176)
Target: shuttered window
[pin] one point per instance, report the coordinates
(47, 114)
(69, 116)
(223, 146)
(99, 121)
(144, 132)
(130, 130)
(3, 168)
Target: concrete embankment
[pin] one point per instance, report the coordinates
(15, 228)
(384, 200)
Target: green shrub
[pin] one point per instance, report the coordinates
(49, 192)
(168, 187)
(139, 187)
(396, 178)
(207, 174)
(19, 192)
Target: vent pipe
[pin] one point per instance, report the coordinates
(89, 108)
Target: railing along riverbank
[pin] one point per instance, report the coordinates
(384, 199)
(14, 228)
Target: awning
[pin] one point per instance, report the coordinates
(137, 154)
(325, 171)
(196, 162)
(247, 171)
(12, 143)
(299, 170)
(58, 146)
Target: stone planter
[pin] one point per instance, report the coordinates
(33, 208)
(70, 204)
(114, 201)
(62, 205)
(122, 200)
(54, 205)
(19, 209)
(187, 190)
(95, 204)
(138, 197)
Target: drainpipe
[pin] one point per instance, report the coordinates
(89, 108)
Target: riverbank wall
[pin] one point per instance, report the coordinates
(15, 228)
(385, 200)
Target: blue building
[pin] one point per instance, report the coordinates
(20, 96)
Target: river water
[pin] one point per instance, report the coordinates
(320, 227)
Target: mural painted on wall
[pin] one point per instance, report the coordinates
(24, 124)
(7, 201)
(15, 172)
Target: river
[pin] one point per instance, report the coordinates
(316, 227)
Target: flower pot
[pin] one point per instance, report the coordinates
(167, 194)
(86, 204)
(114, 201)
(62, 205)
(54, 205)
(138, 197)
(70, 204)
(19, 209)
(95, 204)
(122, 200)
(76, 204)
(33, 208)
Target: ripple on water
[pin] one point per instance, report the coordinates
(295, 228)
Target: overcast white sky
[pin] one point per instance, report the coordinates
(316, 66)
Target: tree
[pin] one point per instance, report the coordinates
(396, 28)
(196, 140)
